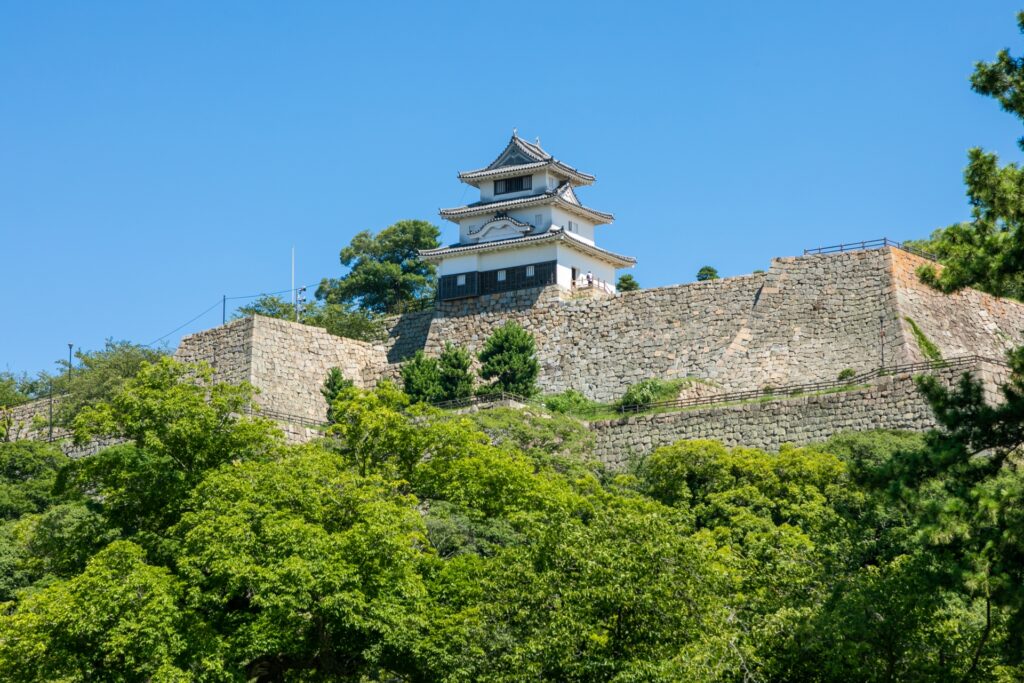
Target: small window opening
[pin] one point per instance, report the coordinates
(501, 276)
(529, 271)
(460, 280)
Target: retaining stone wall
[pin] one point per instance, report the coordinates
(893, 403)
(806, 319)
(967, 322)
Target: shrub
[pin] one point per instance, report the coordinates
(651, 391)
(332, 388)
(509, 358)
(570, 402)
(456, 379)
(847, 373)
(627, 283)
(421, 378)
(928, 348)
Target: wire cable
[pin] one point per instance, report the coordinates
(158, 339)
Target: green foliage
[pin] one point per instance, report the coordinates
(571, 402)
(120, 616)
(509, 357)
(651, 391)
(928, 348)
(16, 389)
(454, 364)
(333, 387)
(413, 544)
(421, 378)
(988, 252)
(342, 320)
(98, 376)
(385, 271)
(846, 373)
(707, 273)
(28, 472)
(627, 283)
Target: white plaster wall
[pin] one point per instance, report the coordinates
(562, 218)
(518, 257)
(568, 258)
(452, 265)
(539, 182)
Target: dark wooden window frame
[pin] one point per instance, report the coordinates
(517, 184)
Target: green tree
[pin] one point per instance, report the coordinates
(179, 425)
(333, 387)
(385, 271)
(342, 320)
(627, 283)
(98, 376)
(421, 378)
(28, 472)
(509, 358)
(454, 365)
(988, 251)
(707, 273)
(118, 620)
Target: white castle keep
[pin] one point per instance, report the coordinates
(527, 230)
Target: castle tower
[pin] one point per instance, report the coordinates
(528, 229)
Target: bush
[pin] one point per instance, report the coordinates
(456, 379)
(627, 283)
(570, 402)
(707, 273)
(509, 357)
(847, 373)
(651, 391)
(333, 386)
(421, 378)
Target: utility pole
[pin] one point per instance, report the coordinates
(295, 305)
(224, 309)
(71, 345)
(51, 409)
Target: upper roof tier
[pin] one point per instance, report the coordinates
(520, 157)
(562, 196)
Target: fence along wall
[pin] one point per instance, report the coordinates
(893, 403)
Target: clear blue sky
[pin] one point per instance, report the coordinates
(156, 155)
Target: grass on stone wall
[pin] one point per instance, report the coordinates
(929, 349)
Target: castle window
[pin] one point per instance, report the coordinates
(517, 184)
(460, 280)
(529, 271)
(501, 276)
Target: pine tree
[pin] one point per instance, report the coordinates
(456, 378)
(509, 358)
(332, 388)
(421, 378)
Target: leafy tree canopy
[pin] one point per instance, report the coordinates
(343, 320)
(385, 271)
(988, 251)
(707, 273)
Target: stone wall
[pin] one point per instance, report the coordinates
(967, 322)
(893, 403)
(286, 361)
(806, 319)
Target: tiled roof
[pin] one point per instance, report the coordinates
(555, 234)
(532, 158)
(563, 194)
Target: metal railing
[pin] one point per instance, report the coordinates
(865, 245)
(958, 363)
(478, 399)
